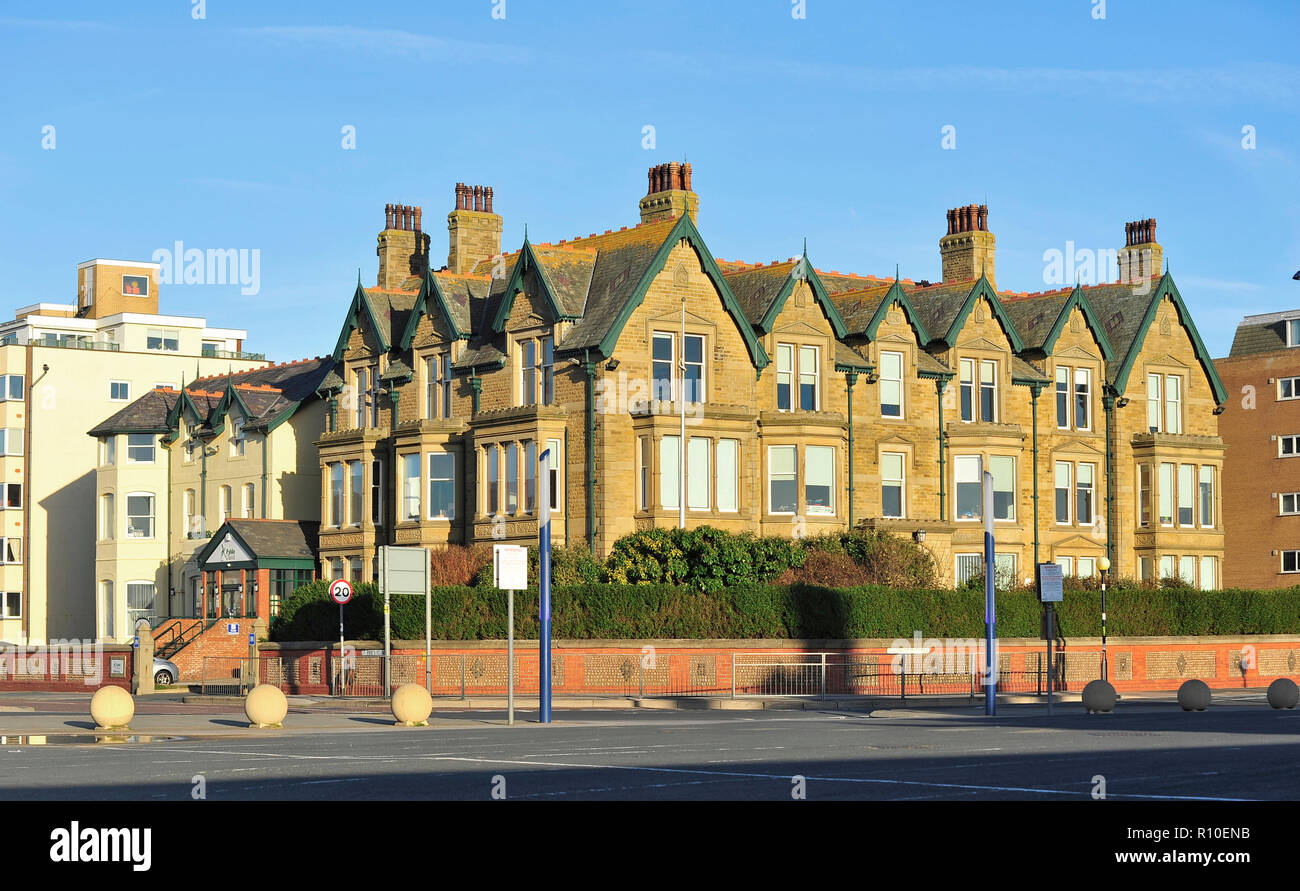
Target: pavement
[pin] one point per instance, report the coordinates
(1149, 749)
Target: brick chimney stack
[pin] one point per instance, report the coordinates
(969, 248)
(669, 193)
(403, 247)
(474, 229)
(1141, 257)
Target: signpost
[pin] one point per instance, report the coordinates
(405, 570)
(510, 573)
(340, 593)
(1050, 592)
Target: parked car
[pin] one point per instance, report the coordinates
(165, 672)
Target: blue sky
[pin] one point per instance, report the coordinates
(226, 133)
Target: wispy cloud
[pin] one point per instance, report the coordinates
(1263, 82)
(389, 41)
(56, 24)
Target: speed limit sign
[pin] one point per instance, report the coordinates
(340, 591)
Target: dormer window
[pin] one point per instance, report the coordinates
(236, 437)
(537, 371)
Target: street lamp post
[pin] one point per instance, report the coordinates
(1104, 563)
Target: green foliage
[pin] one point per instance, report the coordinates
(796, 611)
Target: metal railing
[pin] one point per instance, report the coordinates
(227, 675)
(634, 675)
(232, 354)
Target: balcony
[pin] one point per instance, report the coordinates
(71, 343)
(213, 353)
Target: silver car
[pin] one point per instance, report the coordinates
(165, 672)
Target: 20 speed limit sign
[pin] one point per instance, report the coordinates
(340, 591)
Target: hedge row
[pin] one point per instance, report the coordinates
(584, 612)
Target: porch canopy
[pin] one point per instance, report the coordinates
(249, 565)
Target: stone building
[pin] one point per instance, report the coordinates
(811, 400)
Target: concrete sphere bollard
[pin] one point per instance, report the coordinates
(1283, 693)
(412, 705)
(266, 706)
(112, 708)
(1099, 696)
(1194, 696)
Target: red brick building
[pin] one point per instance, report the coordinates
(1261, 429)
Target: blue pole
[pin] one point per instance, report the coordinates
(990, 606)
(544, 534)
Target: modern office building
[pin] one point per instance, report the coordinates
(1261, 428)
(812, 400)
(65, 367)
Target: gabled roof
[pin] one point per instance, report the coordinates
(623, 275)
(1133, 313)
(573, 272)
(1040, 318)
(386, 312)
(865, 310)
(266, 397)
(943, 310)
(449, 295)
(762, 291)
(268, 539)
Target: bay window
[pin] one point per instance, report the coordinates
(728, 475)
(782, 479)
(670, 472)
(1186, 496)
(969, 471)
(697, 473)
(1003, 469)
(1207, 495)
(442, 486)
(411, 487)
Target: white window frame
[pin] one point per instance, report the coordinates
(1295, 562)
(886, 357)
(448, 458)
(1069, 492)
(967, 382)
(1062, 393)
(152, 515)
(957, 462)
(1281, 504)
(699, 460)
(1288, 388)
(728, 469)
(153, 448)
(248, 499)
(1293, 440)
(785, 376)
(1092, 493)
(900, 481)
(107, 516)
(804, 350)
(1086, 395)
(112, 387)
(771, 450)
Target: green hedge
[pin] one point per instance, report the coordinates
(784, 612)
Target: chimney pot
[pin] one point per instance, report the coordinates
(984, 218)
(675, 175)
(419, 211)
(1152, 221)
(478, 197)
(686, 176)
(487, 199)
(388, 216)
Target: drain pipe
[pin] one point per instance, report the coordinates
(850, 379)
(590, 369)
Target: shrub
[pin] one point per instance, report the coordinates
(823, 566)
(457, 564)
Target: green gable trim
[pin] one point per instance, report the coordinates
(429, 287)
(1080, 299)
(804, 271)
(686, 229)
(527, 259)
(359, 303)
(984, 289)
(1167, 288)
(896, 295)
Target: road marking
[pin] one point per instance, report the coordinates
(863, 780)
